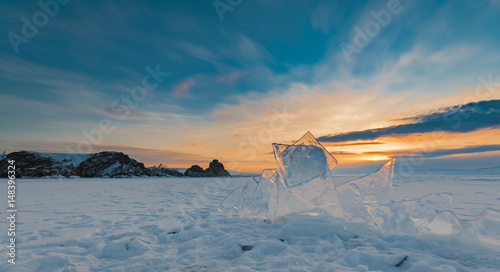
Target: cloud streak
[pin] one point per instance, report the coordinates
(455, 151)
(464, 118)
(183, 87)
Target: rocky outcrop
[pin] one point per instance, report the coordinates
(32, 164)
(111, 164)
(195, 171)
(103, 164)
(215, 169)
(161, 171)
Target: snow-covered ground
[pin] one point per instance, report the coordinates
(171, 224)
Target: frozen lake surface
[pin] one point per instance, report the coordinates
(171, 224)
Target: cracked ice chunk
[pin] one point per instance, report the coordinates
(429, 205)
(300, 163)
(270, 201)
(484, 229)
(286, 203)
(281, 201)
(305, 170)
(406, 217)
(444, 223)
(370, 190)
(256, 204)
(264, 199)
(234, 202)
(303, 160)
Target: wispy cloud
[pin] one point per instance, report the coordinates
(197, 51)
(461, 151)
(462, 118)
(181, 88)
(229, 77)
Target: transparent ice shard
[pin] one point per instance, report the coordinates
(234, 202)
(356, 196)
(484, 229)
(287, 203)
(256, 201)
(303, 160)
(267, 183)
(393, 218)
(305, 171)
(444, 223)
(300, 163)
(268, 201)
(406, 217)
(254, 205)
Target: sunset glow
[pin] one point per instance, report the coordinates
(183, 88)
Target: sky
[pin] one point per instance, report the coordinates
(184, 82)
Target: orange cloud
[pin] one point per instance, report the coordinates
(182, 87)
(429, 144)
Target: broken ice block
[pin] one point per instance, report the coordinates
(301, 163)
(234, 202)
(443, 223)
(303, 160)
(427, 206)
(406, 217)
(305, 171)
(286, 203)
(281, 201)
(393, 218)
(374, 189)
(256, 201)
(484, 229)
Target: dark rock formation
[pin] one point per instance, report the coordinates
(215, 169)
(103, 164)
(32, 164)
(111, 164)
(195, 171)
(161, 171)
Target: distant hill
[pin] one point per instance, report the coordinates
(33, 164)
(110, 164)
(103, 164)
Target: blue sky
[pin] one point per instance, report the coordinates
(227, 78)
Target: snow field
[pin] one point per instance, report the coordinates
(171, 224)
